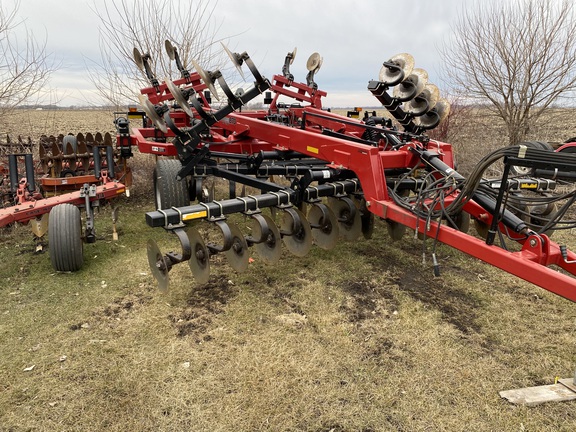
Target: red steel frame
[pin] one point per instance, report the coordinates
(248, 133)
(28, 210)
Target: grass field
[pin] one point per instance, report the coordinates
(361, 338)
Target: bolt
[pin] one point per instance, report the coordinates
(533, 243)
(368, 203)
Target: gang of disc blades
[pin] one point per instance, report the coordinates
(271, 249)
(158, 265)
(206, 78)
(324, 226)
(350, 227)
(238, 255)
(299, 240)
(178, 96)
(199, 261)
(152, 114)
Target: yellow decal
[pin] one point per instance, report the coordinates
(195, 215)
(528, 185)
(312, 149)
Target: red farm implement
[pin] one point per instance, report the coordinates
(344, 170)
(73, 173)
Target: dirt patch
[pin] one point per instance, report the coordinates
(203, 304)
(118, 310)
(367, 300)
(457, 305)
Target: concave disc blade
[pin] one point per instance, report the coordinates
(234, 60)
(238, 255)
(206, 78)
(299, 238)
(271, 249)
(158, 265)
(324, 226)
(178, 96)
(350, 226)
(199, 262)
(151, 113)
(395, 230)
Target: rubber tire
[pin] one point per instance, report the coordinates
(65, 238)
(537, 145)
(169, 192)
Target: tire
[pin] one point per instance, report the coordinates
(168, 191)
(65, 238)
(536, 145)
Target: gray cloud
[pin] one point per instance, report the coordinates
(354, 38)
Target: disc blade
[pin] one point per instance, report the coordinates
(158, 265)
(367, 225)
(206, 78)
(395, 230)
(170, 49)
(350, 226)
(238, 255)
(298, 237)
(178, 96)
(151, 113)
(324, 226)
(199, 262)
(271, 249)
(39, 225)
(234, 60)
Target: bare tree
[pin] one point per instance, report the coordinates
(146, 25)
(24, 68)
(518, 56)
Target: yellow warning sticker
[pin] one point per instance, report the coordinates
(195, 215)
(312, 149)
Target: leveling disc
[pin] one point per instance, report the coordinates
(206, 78)
(348, 217)
(152, 114)
(138, 59)
(297, 234)
(158, 265)
(199, 262)
(314, 62)
(170, 49)
(238, 256)
(270, 249)
(178, 96)
(404, 63)
(395, 230)
(324, 226)
(234, 59)
(293, 55)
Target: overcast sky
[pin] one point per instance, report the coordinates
(353, 37)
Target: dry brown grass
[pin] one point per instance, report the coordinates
(361, 338)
